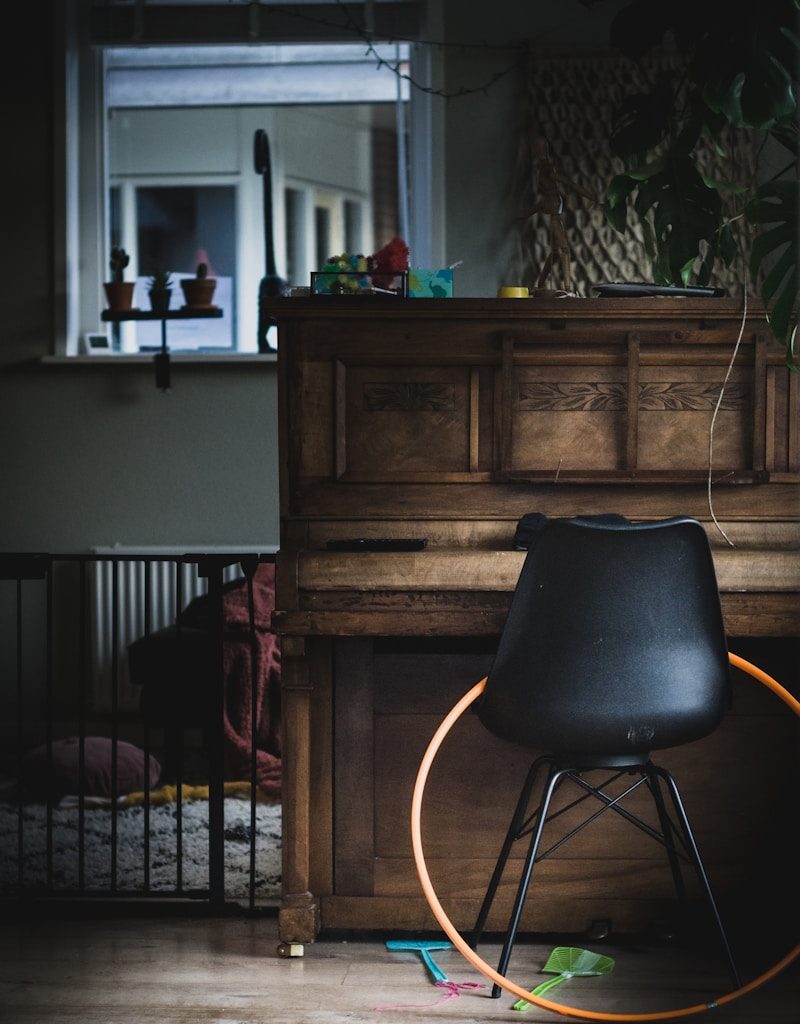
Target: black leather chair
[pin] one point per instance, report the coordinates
(613, 648)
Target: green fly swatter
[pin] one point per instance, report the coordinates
(568, 962)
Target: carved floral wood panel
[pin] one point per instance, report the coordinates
(568, 418)
(418, 420)
(406, 419)
(561, 396)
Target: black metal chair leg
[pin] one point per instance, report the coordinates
(668, 831)
(511, 836)
(554, 778)
(674, 792)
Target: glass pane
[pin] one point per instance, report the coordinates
(294, 213)
(322, 229)
(115, 215)
(178, 227)
(353, 238)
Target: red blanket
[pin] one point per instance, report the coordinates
(252, 670)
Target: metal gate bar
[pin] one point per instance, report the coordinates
(63, 695)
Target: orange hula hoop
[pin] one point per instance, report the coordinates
(469, 954)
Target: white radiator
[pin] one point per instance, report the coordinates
(109, 652)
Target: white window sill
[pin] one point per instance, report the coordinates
(145, 358)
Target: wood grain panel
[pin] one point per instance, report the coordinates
(771, 420)
(474, 420)
(428, 677)
(760, 426)
(542, 914)
(295, 687)
(407, 419)
(749, 614)
(764, 571)
(646, 499)
(676, 417)
(474, 782)
(321, 780)
(498, 533)
(625, 878)
(569, 418)
(793, 423)
(477, 779)
(632, 411)
(353, 767)
(753, 614)
(313, 407)
(486, 419)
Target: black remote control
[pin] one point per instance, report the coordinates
(620, 289)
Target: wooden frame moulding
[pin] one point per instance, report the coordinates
(472, 474)
(793, 441)
(632, 412)
(760, 431)
(764, 423)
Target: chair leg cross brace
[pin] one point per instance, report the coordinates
(648, 773)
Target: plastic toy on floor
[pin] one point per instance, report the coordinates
(439, 978)
(568, 962)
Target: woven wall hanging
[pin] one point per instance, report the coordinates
(569, 101)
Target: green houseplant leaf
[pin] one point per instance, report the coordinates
(748, 65)
(680, 210)
(616, 207)
(775, 209)
(642, 120)
(740, 73)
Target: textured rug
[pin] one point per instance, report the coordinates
(130, 848)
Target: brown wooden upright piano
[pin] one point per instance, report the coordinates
(443, 422)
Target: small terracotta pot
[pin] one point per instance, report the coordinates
(119, 295)
(198, 291)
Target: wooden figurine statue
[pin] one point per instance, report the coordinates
(550, 185)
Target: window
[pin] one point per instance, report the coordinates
(174, 227)
(296, 217)
(324, 222)
(353, 221)
(188, 189)
(167, 172)
(322, 232)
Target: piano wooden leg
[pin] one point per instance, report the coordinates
(298, 918)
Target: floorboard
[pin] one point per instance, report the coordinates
(125, 969)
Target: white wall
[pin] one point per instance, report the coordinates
(93, 455)
(483, 130)
(97, 455)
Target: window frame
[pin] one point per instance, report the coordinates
(128, 184)
(81, 203)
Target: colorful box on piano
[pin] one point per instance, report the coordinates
(430, 283)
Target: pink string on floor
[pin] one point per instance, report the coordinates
(453, 989)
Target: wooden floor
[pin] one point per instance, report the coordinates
(140, 969)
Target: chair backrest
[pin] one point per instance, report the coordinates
(614, 642)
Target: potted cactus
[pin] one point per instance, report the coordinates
(159, 288)
(198, 291)
(119, 292)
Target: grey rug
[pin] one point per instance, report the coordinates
(163, 831)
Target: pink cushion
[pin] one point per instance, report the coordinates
(64, 776)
